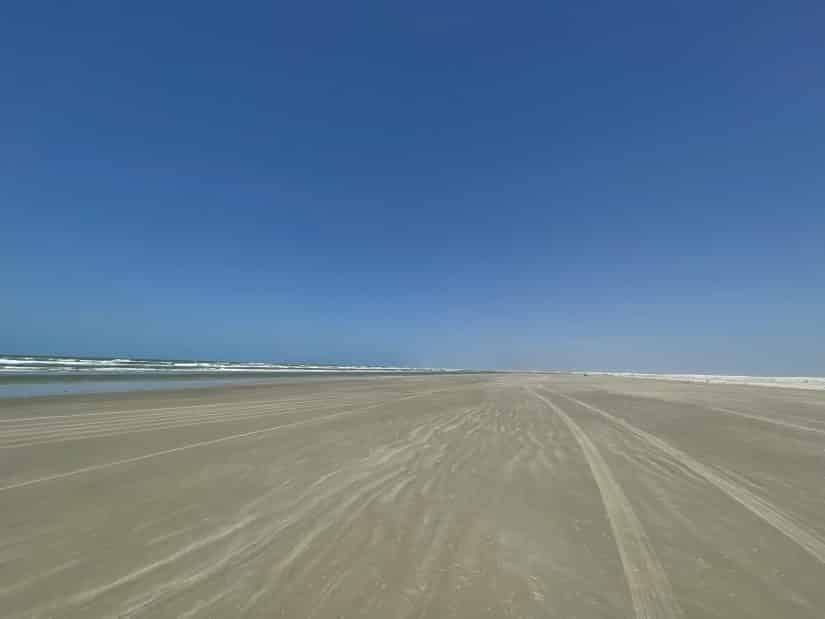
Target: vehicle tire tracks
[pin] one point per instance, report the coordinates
(650, 588)
(762, 508)
(315, 420)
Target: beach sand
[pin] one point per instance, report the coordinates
(486, 495)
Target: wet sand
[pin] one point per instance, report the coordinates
(417, 496)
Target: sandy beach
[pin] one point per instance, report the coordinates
(488, 495)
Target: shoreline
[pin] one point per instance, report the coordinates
(45, 385)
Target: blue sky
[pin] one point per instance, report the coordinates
(476, 184)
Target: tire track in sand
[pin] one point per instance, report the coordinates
(758, 506)
(776, 422)
(650, 588)
(125, 427)
(222, 439)
(788, 425)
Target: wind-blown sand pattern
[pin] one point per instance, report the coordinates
(416, 496)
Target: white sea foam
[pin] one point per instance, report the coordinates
(77, 365)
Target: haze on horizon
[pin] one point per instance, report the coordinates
(565, 186)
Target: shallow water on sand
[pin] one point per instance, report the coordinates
(28, 389)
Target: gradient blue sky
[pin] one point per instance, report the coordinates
(626, 185)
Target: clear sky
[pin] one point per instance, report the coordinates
(625, 185)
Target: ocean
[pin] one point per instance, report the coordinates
(30, 375)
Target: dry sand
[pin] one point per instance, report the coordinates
(443, 496)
